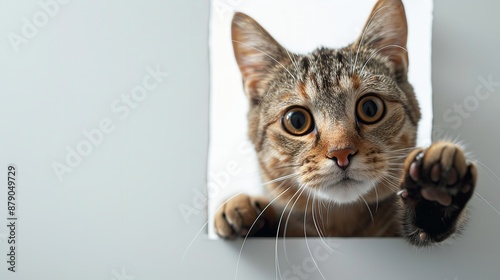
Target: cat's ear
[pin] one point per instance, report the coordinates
(386, 31)
(256, 53)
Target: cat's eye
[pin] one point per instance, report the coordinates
(297, 121)
(370, 109)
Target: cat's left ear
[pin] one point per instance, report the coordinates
(386, 31)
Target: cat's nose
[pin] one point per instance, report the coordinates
(342, 157)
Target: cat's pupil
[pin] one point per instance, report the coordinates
(370, 108)
(298, 120)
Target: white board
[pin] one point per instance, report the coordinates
(301, 27)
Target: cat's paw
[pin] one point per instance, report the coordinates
(437, 184)
(439, 173)
(240, 216)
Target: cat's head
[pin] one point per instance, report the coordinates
(336, 120)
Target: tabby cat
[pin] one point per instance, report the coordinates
(335, 132)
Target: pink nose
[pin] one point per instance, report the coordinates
(341, 157)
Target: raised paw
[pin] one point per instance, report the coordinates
(241, 216)
(440, 173)
(436, 186)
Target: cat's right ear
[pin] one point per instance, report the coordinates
(386, 30)
(256, 53)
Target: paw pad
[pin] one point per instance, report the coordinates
(437, 173)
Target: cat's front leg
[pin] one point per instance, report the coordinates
(244, 215)
(436, 186)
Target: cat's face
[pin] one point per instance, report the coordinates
(336, 120)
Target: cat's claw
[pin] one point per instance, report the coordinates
(403, 193)
(422, 236)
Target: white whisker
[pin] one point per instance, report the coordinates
(487, 202)
(375, 52)
(305, 236)
(251, 227)
(368, 207)
(205, 224)
(281, 178)
(286, 69)
(288, 217)
(360, 43)
(276, 260)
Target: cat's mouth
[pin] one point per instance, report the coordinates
(345, 189)
(347, 182)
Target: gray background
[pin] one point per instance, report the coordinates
(137, 231)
